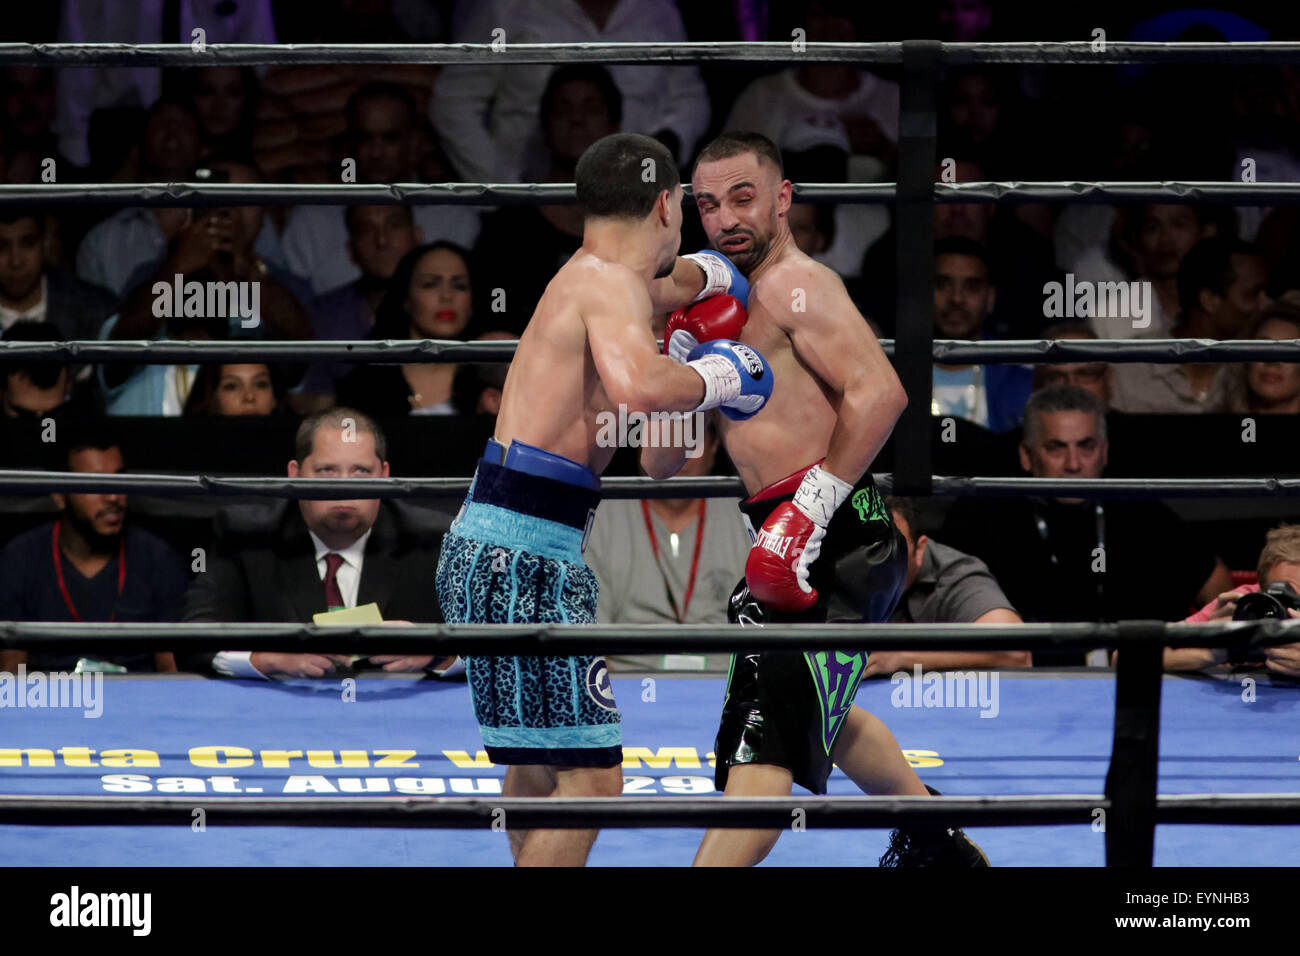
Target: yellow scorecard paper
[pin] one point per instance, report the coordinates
(350, 617)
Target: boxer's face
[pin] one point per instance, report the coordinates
(963, 297)
(743, 201)
(1068, 445)
(1274, 383)
(340, 453)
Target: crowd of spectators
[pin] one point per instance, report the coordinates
(430, 271)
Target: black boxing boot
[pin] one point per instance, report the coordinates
(932, 845)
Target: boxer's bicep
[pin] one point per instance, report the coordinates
(622, 344)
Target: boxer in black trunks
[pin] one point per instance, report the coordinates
(825, 546)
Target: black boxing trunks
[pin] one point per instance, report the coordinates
(787, 707)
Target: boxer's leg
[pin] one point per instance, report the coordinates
(728, 847)
(868, 753)
(525, 780)
(570, 847)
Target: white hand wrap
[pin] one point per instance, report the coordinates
(721, 381)
(819, 494)
(680, 344)
(717, 277)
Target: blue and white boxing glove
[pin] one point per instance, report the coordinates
(720, 275)
(736, 378)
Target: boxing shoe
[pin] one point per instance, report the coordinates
(932, 845)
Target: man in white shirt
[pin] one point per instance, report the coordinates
(865, 104)
(82, 90)
(486, 115)
(382, 136)
(290, 561)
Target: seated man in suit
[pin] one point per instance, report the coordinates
(290, 560)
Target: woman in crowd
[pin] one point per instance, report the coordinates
(1273, 388)
(255, 389)
(429, 297)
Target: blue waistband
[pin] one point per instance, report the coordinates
(534, 495)
(520, 456)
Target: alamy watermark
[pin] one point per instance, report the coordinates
(1084, 299)
(59, 689)
(949, 689)
(624, 429)
(209, 300)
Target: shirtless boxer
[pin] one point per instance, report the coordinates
(826, 548)
(514, 553)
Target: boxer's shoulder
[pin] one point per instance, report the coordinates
(794, 276)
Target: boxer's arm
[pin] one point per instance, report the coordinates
(678, 289)
(632, 370)
(834, 341)
(662, 463)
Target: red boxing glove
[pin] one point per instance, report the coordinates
(718, 317)
(773, 568)
(790, 541)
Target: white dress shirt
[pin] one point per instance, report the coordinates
(36, 313)
(315, 240)
(237, 663)
(82, 90)
(486, 114)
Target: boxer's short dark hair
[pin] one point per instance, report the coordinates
(305, 440)
(612, 176)
(739, 142)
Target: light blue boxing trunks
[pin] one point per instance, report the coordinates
(514, 556)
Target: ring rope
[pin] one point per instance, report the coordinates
(18, 482)
(1080, 52)
(565, 640)
(395, 351)
(520, 194)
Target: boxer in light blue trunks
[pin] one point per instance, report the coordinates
(514, 553)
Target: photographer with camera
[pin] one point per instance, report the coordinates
(215, 249)
(1277, 595)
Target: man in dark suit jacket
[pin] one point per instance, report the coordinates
(290, 560)
(31, 290)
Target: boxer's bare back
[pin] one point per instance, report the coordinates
(588, 348)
